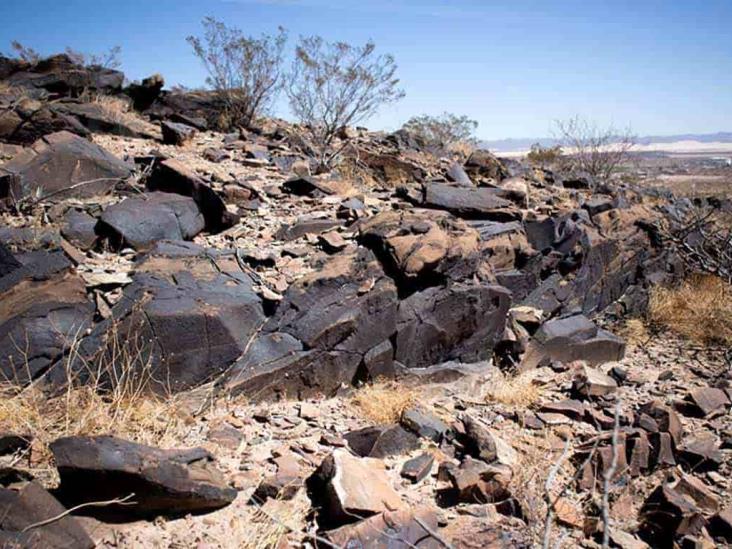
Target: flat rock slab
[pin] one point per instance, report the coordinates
(140, 222)
(475, 203)
(164, 482)
(346, 487)
(62, 165)
(382, 531)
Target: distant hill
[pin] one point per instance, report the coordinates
(524, 143)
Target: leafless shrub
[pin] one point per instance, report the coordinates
(334, 85)
(109, 59)
(24, 53)
(599, 152)
(244, 71)
(445, 130)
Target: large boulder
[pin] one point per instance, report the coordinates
(164, 482)
(141, 221)
(24, 120)
(187, 316)
(32, 518)
(59, 166)
(389, 529)
(111, 118)
(43, 310)
(422, 248)
(483, 165)
(462, 321)
(329, 320)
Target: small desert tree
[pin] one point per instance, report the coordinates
(334, 85)
(443, 131)
(244, 71)
(24, 53)
(598, 151)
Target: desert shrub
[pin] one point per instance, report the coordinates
(445, 130)
(244, 71)
(383, 402)
(333, 85)
(700, 309)
(544, 156)
(109, 59)
(599, 152)
(24, 53)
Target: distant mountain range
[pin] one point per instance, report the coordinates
(522, 144)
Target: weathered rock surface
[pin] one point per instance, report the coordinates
(141, 221)
(24, 503)
(389, 530)
(61, 165)
(164, 482)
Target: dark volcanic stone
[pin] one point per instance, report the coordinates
(140, 222)
(62, 165)
(417, 468)
(176, 133)
(480, 203)
(164, 482)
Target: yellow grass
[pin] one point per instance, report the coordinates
(115, 107)
(514, 390)
(90, 405)
(699, 309)
(634, 332)
(382, 402)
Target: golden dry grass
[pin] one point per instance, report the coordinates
(116, 108)
(634, 332)
(383, 402)
(514, 390)
(94, 406)
(699, 309)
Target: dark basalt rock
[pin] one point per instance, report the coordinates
(43, 306)
(59, 75)
(462, 321)
(475, 203)
(381, 531)
(24, 121)
(175, 133)
(484, 165)
(79, 228)
(59, 166)
(140, 222)
(171, 176)
(164, 482)
(24, 503)
(189, 314)
(95, 118)
(306, 226)
(381, 442)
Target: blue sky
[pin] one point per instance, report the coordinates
(663, 67)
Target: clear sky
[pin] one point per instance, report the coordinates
(664, 67)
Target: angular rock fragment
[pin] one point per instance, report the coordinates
(381, 442)
(164, 482)
(345, 488)
(389, 530)
(708, 401)
(424, 424)
(473, 203)
(25, 503)
(667, 515)
(79, 229)
(417, 468)
(591, 382)
(177, 134)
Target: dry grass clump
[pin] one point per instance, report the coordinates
(514, 390)
(112, 399)
(267, 526)
(634, 332)
(699, 309)
(117, 108)
(383, 402)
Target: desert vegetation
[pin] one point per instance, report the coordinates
(445, 131)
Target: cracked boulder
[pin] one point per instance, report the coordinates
(318, 337)
(141, 221)
(43, 308)
(164, 482)
(60, 166)
(462, 321)
(187, 316)
(469, 203)
(389, 529)
(419, 248)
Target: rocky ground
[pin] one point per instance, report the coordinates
(207, 344)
